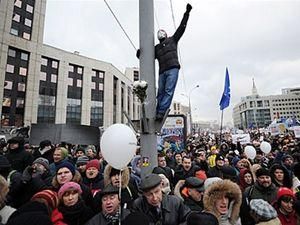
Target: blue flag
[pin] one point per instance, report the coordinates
(225, 100)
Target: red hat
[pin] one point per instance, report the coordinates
(93, 163)
(285, 191)
(68, 186)
(51, 198)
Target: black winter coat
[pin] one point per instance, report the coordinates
(32, 213)
(166, 51)
(19, 159)
(181, 174)
(173, 211)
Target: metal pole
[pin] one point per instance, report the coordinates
(221, 128)
(190, 109)
(148, 140)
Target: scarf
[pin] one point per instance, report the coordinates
(113, 219)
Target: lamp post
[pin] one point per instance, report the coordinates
(190, 108)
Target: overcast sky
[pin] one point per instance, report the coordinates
(254, 39)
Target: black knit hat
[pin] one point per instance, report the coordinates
(263, 172)
(66, 164)
(45, 143)
(4, 163)
(199, 218)
(136, 218)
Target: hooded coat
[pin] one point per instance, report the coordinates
(243, 184)
(129, 192)
(217, 190)
(287, 180)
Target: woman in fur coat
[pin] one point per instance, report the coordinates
(223, 199)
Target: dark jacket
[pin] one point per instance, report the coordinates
(74, 215)
(193, 205)
(257, 191)
(166, 51)
(32, 213)
(19, 158)
(95, 184)
(215, 172)
(287, 180)
(173, 211)
(100, 220)
(181, 174)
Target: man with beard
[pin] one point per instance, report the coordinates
(263, 188)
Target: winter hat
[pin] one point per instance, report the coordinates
(43, 162)
(198, 218)
(16, 140)
(220, 157)
(48, 195)
(209, 181)
(285, 191)
(67, 186)
(66, 164)
(263, 172)
(287, 156)
(45, 143)
(93, 163)
(114, 172)
(91, 147)
(262, 210)
(296, 170)
(136, 218)
(4, 163)
(109, 189)
(82, 160)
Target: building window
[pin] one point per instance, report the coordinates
(16, 17)
(28, 22)
(23, 71)
(29, 8)
(10, 68)
(47, 91)
(26, 36)
(18, 3)
(21, 87)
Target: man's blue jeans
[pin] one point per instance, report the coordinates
(166, 87)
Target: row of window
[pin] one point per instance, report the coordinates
(285, 100)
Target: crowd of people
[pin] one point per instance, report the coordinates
(206, 183)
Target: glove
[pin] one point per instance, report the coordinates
(188, 7)
(138, 53)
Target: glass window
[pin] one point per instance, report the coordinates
(26, 36)
(71, 68)
(93, 85)
(70, 81)
(18, 3)
(101, 87)
(23, 71)
(20, 103)
(79, 83)
(10, 68)
(28, 22)
(11, 53)
(21, 87)
(79, 70)
(53, 78)
(16, 17)
(24, 56)
(101, 75)
(54, 64)
(43, 76)
(14, 31)
(29, 8)
(8, 85)
(6, 102)
(44, 61)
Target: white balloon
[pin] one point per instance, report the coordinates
(250, 152)
(118, 145)
(265, 147)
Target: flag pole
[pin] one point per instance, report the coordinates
(221, 127)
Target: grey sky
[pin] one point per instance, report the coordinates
(254, 39)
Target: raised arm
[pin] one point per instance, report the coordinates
(180, 30)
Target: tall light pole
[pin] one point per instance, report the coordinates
(190, 108)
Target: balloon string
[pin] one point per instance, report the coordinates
(120, 189)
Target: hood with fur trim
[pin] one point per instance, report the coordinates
(124, 179)
(218, 189)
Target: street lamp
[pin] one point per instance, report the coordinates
(190, 108)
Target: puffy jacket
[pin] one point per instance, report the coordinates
(166, 51)
(173, 210)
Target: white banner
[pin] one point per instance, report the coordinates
(242, 138)
(297, 131)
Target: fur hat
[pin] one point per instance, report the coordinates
(219, 189)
